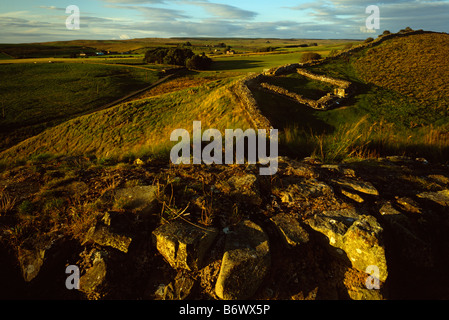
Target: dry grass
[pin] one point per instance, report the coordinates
(7, 202)
(420, 73)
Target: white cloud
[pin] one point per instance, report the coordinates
(224, 11)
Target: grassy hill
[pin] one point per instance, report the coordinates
(36, 96)
(400, 105)
(138, 128)
(415, 66)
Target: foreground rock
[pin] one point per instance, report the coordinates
(30, 261)
(440, 197)
(95, 275)
(290, 230)
(104, 237)
(245, 263)
(140, 199)
(183, 245)
(246, 188)
(358, 237)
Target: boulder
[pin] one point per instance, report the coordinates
(30, 261)
(356, 185)
(357, 237)
(141, 199)
(95, 275)
(179, 289)
(101, 235)
(245, 263)
(290, 230)
(183, 245)
(440, 197)
(303, 190)
(364, 245)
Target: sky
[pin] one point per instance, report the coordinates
(23, 21)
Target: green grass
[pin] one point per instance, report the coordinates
(35, 96)
(254, 62)
(377, 121)
(296, 83)
(138, 128)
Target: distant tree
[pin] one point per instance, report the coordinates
(198, 62)
(174, 56)
(368, 40)
(386, 33)
(310, 56)
(408, 29)
(156, 55)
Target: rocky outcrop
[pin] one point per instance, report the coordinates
(183, 245)
(312, 231)
(245, 262)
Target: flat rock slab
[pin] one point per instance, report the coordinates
(440, 197)
(140, 198)
(104, 237)
(359, 186)
(290, 230)
(245, 263)
(183, 245)
(30, 262)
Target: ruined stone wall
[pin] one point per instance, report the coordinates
(297, 97)
(336, 82)
(241, 89)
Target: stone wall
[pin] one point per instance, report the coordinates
(335, 82)
(241, 89)
(323, 103)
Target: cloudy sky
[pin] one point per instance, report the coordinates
(45, 20)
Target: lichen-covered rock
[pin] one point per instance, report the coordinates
(358, 237)
(183, 245)
(141, 199)
(95, 275)
(292, 192)
(101, 235)
(364, 246)
(30, 261)
(245, 263)
(440, 197)
(290, 230)
(359, 186)
(179, 289)
(246, 187)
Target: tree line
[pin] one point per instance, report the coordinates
(179, 57)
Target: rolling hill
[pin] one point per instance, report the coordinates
(138, 127)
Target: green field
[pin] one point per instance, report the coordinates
(35, 96)
(379, 119)
(138, 128)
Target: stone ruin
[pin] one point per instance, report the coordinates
(343, 91)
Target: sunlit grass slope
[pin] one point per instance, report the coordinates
(141, 127)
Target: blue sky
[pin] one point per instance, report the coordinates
(44, 20)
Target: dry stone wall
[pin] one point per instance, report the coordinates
(241, 89)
